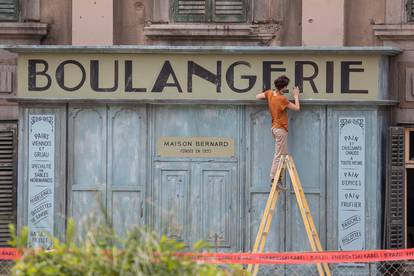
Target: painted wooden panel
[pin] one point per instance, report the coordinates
(216, 221)
(127, 211)
(260, 154)
(262, 147)
(220, 195)
(298, 231)
(88, 146)
(87, 165)
(307, 146)
(87, 211)
(171, 194)
(127, 141)
(196, 120)
(126, 167)
(275, 240)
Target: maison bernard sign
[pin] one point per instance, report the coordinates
(195, 147)
(174, 76)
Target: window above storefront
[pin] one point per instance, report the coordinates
(209, 10)
(213, 21)
(9, 10)
(409, 8)
(19, 22)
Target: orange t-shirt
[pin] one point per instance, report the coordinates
(277, 108)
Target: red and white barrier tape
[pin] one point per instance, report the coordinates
(9, 254)
(365, 256)
(305, 257)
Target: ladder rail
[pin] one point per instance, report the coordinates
(265, 213)
(270, 204)
(286, 163)
(305, 213)
(300, 195)
(267, 227)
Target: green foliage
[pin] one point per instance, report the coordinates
(104, 254)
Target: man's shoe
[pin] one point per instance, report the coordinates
(281, 186)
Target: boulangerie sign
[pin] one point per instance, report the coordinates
(351, 184)
(41, 179)
(194, 76)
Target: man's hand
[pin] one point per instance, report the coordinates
(296, 92)
(295, 106)
(261, 96)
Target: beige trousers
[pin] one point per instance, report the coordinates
(281, 148)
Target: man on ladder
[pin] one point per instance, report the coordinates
(281, 162)
(278, 105)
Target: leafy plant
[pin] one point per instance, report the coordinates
(105, 254)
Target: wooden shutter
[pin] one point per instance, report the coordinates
(9, 10)
(192, 10)
(409, 8)
(230, 11)
(395, 190)
(7, 182)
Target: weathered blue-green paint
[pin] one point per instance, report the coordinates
(113, 167)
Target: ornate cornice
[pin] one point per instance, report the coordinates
(262, 33)
(22, 32)
(394, 32)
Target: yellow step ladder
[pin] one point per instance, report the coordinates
(286, 162)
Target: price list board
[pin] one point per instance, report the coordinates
(41, 179)
(351, 184)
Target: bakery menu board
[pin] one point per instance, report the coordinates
(351, 189)
(41, 179)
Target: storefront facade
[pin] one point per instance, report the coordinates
(173, 138)
(128, 131)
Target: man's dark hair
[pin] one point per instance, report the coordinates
(281, 82)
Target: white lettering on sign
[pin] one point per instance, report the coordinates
(41, 179)
(351, 185)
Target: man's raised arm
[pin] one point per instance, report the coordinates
(295, 106)
(261, 96)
